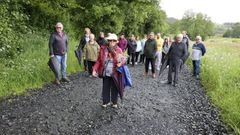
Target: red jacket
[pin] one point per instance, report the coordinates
(102, 57)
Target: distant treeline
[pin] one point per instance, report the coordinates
(233, 32)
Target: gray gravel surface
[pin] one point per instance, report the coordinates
(149, 108)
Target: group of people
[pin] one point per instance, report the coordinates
(103, 56)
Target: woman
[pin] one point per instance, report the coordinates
(90, 52)
(132, 46)
(138, 49)
(109, 59)
(166, 46)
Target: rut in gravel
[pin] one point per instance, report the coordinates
(150, 107)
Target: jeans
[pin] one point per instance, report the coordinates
(63, 65)
(196, 67)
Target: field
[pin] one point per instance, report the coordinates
(220, 75)
(30, 69)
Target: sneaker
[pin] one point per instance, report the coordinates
(175, 84)
(154, 75)
(197, 76)
(136, 63)
(115, 106)
(57, 82)
(65, 80)
(105, 105)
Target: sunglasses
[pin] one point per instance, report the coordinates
(111, 40)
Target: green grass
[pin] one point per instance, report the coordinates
(30, 69)
(221, 77)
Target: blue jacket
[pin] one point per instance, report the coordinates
(198, 50)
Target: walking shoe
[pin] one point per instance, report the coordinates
(115, 106)
(175, 84)
(197, 76)
(154, 75)
(65, 80)
(145, 74)
(105, 105)
(56, 81)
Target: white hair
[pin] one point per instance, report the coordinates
(59, 24)
(180, 36)
(199, 37)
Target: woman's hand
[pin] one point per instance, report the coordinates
(94, 73)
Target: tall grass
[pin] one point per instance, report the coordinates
(221, 77)
(30, 69)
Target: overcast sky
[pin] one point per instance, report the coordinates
(219, 11)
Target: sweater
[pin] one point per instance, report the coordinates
(58, 45)
(178, 51)
(150, 48)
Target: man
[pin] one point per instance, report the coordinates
(159, 50)
(58, 47)
(101, 40)
(177, 54)
(142, 56)
(198, 50)
(150, 50)
(83, 42)
(122, 43)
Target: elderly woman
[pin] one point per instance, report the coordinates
(109, 59)
(90, 52)
(58, 47)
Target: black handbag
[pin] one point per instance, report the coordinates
(54, 65)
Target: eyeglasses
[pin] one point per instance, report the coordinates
(58, 27)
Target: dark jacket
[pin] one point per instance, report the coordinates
(178, 51)
(101, 41)
(186, 41)
(132, 46)
(150, 48)
(58, 45)
(83, 42)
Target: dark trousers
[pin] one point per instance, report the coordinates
(90, 65)
(174, 66)
(196, 67)
(152, 61)
(137, 56)
(109, 90)
(85, 64)
(142, 58)
(132, 56)
(163, 55)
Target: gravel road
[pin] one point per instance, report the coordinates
(149, 108)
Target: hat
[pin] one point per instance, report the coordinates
(112, 37)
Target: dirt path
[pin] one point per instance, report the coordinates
(149, 107)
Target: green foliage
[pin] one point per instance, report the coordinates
(30, 69)
(195, 24)
(220, 77)
(233, 32)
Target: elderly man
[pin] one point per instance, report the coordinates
(177, 54)
(58, 47)
(150, 50)
(198, 50)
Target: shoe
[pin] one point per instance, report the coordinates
(145, 74)
(197, 76)
(136, 63)
(115, 106)
(169, 82)
(158, 69)
(175, 84)
(57, 82)
(154, 75)
(65, 80)
(105, 105)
